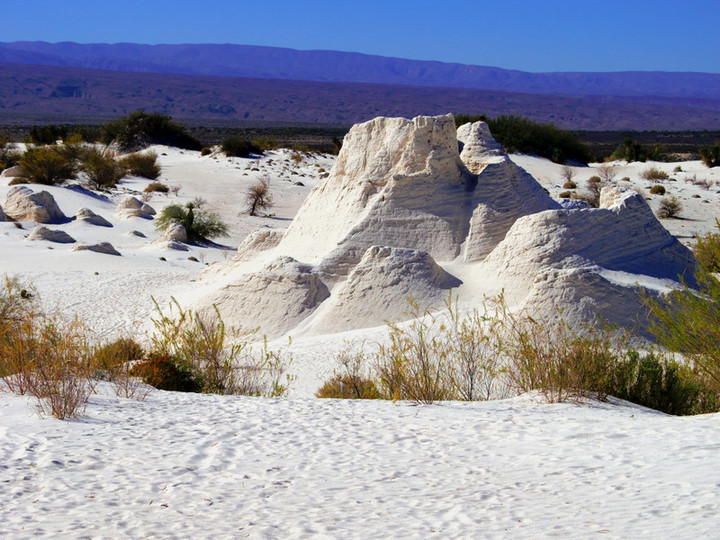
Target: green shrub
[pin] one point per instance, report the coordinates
(199, 223)
(711, 155)
(707, 250)
(156, 186)
(46, 135)
(657, 189)
(519, 134)
(142, 164)
(9, 156)
(101, 170)
(630, 150)
(47, 165)
(139, 130)
(661, 384)
(239, 147)
(688, 321)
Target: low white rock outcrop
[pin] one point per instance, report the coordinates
(86, 215)
(130, 207)
(22, 204)
(50, 235)
(101, 247)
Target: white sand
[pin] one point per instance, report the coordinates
(194, 466)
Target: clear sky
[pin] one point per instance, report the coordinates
(530, 35)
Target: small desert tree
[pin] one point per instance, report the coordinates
(258, 196)
(200, 224)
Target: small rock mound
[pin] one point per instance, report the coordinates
(13, 172)
(379, 287)
(102, 247)
(275, 299)
(174, 233)
(130, 207)
(22, 204)
(257, 241)
(43, 233)
(88, 216)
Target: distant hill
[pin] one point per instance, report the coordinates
(333, 66)
(54, 94)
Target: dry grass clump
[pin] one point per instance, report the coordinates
(158, 187)
(657, 189)
(653, 173)
(569, 185)
(670, 207)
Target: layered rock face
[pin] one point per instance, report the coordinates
(408, 196)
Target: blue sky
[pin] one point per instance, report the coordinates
(541, 35)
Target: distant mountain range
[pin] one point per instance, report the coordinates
(248, 83)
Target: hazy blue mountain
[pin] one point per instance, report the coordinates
(332, 66)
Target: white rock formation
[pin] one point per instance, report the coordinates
(257, 241)
(129, 207)
(88, 216)
(22, 204)
(401, 196)
(101, 247)
(275, 299)
(50, 235)
(174, 233)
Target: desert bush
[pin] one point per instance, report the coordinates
(711, 155)
(18, 180)
(561, 363)
(687, 321)
(42, 355)
(606, 173)
(239, 147)
(593, 187)
(198, 349)
(653, 173)
(46, 135)
(351, 379)
(200, 224)
(9, 156)
(139, 130)
(565, 194)
(569, 185)
(439, 357)
(266, 143)
(258, 196)
(661, 384)
(670, 207)
(47, 165)
(519, 134)
(101, 170)
(657, 189)
(630, 150)
(156, 187)
(164, 372)
(206, 151)
(142, 164)
(707, 250)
